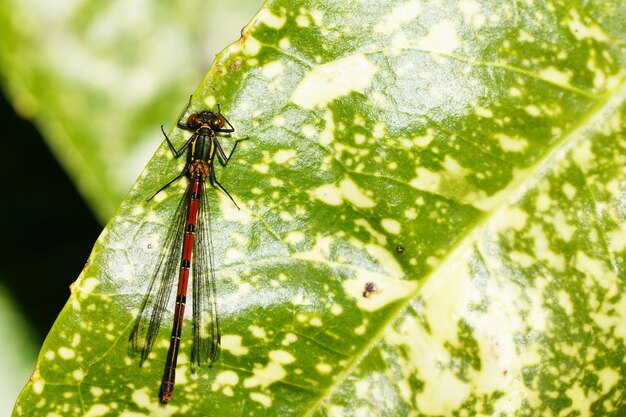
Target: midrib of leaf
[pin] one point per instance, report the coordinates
(610, 101)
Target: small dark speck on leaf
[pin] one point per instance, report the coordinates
(370, 287)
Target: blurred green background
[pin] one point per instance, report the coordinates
(85, 86)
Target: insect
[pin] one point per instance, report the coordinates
(189, 242)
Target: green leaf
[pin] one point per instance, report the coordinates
(432, 223)
(98, 78)
(16, 357)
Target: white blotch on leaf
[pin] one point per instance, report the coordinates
(316, 322)
(336, 309)
(532, 110)
(388, 290)
(426, 180)
(289, 339)
(230, 212)
(516, 218)
(335, 79)
(294, 237)
(511, 144)
(595, 270)
(257, 332)
(319, 252)
(143, 398)
(225, 379)
(233, 255)
(272, 372)
(584, 156)
(556, 76)
(472, 12)
(317, 16)
(66, 353)
(303, 21)
(400, 15)
(616, 240)
(284, 43)
(327, 135)
(381, 238)
(252, 46)
(285, 155)
(268, 18)
(261, 398)
(482, 112)
(522, 259)
(323, 368)
(97, 410)
(569, 190)
(385, 259)
(347, 190)
(232, 344)
(273, 69)
(543, 249)
(38, 384)
(441, 38)
(391, 226)
(565, 302)
(88, 285)
(582, 30)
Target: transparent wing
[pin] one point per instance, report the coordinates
(206, 330)
(146, 328)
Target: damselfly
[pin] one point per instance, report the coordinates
(188, 240)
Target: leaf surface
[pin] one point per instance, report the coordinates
(432, 223)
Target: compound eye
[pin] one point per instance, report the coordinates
(192, 121)
(217, 122)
